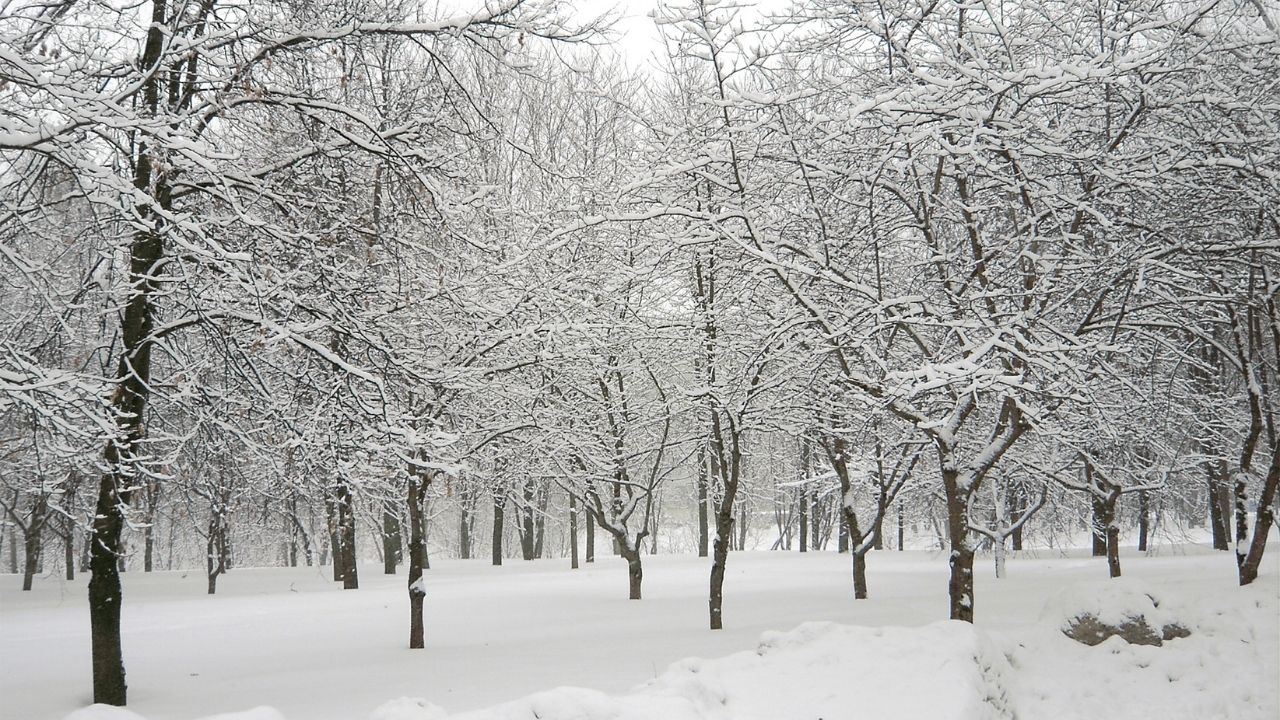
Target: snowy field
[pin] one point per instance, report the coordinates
(294, 642)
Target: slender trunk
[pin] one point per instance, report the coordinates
(902, 529)
(1265, 520)
(724, 525)
(703, 530)
(13, 549)
(1099, 526)
(540, 525)
(859, 574)
(416, 496)
(345, 552)
(1144, 520)
(1000, 556)
(32, 540)
(730, 476)
(635, 574)
(69, 547)
(148, 546)
(464, 530)
(1018, 499)
(1113, 550)
(1219, 505)
(591, 538)
(526, 523)
(843, 542)
(390, 541)
(499, 502)
(573, 532)
(960, 584)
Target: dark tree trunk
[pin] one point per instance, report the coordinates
(540, 525)
(464, 531)
(573, 532)
(390, 541)
(148, 546)
(1099, 526)
(703, 529)
(1144, 520)
(591, 538)
(1018, 500)
(32, 540)
(960, 584)
(499, 503)
(1219, 505)
(215, 554)
(902, 529)
(416, 501)
(635, 574)
(13, 550)
(730, 475)
(345, 553)
(1113, 550)
(527, 524)
(843, 543)
(859, 574)
(1265, 520)
(69, 547)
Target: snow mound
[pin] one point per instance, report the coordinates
(939, 671)
(1225, 668)
(1093, 612)
(111, 712)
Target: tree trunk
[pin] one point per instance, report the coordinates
(527, 524)
(464, 531)
(635, 574)
(1265, 519)
(32, 540)
(540, 524)
(1099, 526)
(1018, 500)
(859, 574)
(730, 476)
(703, 530)
(960, 583)
(724, 526)
(1144, 520)
(148, 546)
(499, 502)
(591, 538)
(345, 552)
(390, 541)
(902, 529)
(13, 549)
(69, 548)
(1113, 550)
(416, 496)
(573, 532)
(1219, 505)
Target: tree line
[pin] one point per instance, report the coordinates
(282, 274)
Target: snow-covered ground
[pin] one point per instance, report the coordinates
(796, 644)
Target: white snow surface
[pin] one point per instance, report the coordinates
(291, 645)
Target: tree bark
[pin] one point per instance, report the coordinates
(499, 501)
(1099, 526)
(703, 530)
(345, 552)
(591, 538)
(1144, 520)
(1264, 521)
(416, 496)
(390, 541)
(464, 531)
(573, 532)
(526, 523)
(1219, 505)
